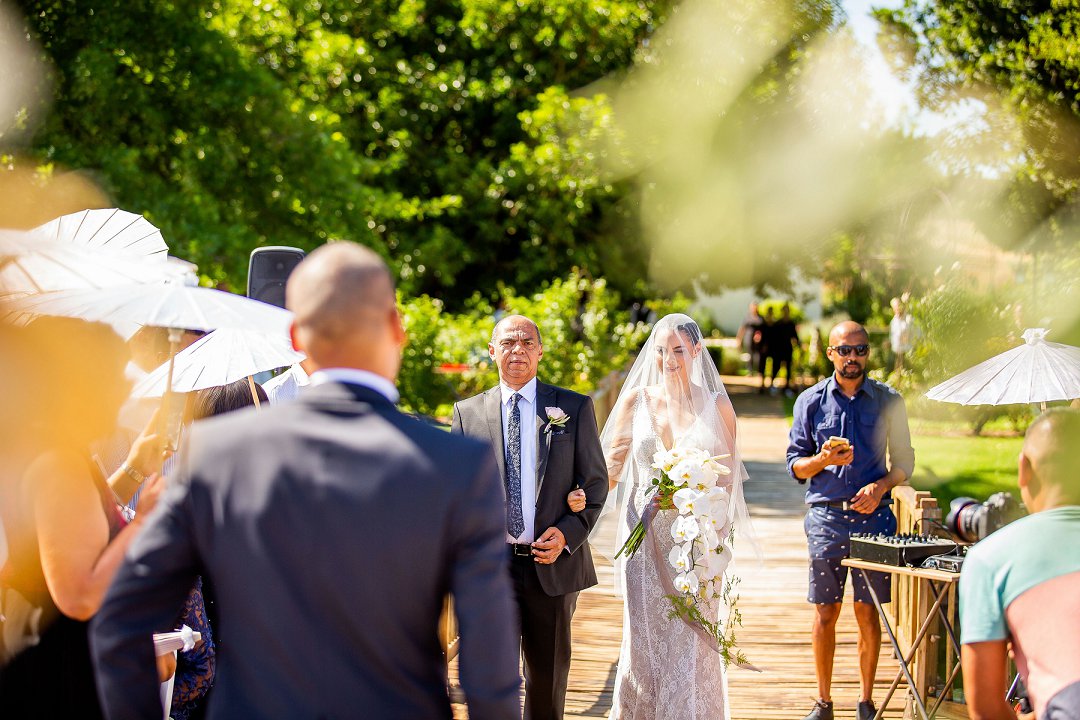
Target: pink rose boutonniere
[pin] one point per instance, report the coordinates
(557, 418)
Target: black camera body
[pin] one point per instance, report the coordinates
(971, 520)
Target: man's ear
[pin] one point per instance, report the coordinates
(1026, 479)
(292, 338)
(397, 328)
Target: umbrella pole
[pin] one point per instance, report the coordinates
(169, 398)
(254, 394)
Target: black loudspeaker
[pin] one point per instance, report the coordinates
(268, 270)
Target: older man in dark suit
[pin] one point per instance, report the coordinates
(331, 528)
(546, 445)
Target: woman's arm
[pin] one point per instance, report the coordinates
(727, 415)
(77, 558)
(618, 441)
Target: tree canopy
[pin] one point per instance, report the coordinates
(444, 133)
(1021, 60)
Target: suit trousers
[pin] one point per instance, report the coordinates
(545, 641)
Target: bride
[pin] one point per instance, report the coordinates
(669, 668)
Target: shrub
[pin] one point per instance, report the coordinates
(585, 337)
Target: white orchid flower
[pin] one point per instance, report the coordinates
(687, 582)
(718, 503)
(685, 528)
(687, 471)
(665, 459)
(685, 500)
(710, 537)
(718, 467)
(679, 558)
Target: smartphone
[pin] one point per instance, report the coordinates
(839, 442)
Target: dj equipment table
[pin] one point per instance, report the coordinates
(938, 582)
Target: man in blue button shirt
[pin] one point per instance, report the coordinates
(848, 493)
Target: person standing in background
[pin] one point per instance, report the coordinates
(749, 337)
(901, 333)
(850, 438)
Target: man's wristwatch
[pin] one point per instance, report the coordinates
(134, 474)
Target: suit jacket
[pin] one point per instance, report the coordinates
(567, 458)
(331, 528)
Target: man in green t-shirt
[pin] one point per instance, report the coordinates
(1021, 585)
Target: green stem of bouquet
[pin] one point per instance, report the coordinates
(685, 607)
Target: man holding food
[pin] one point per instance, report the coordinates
(850, 439)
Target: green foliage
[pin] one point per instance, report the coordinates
(1022, 59)
(439, 133)
(961, 326)
(585, 336)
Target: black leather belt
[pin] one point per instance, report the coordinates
(521, 549)
(845, 504)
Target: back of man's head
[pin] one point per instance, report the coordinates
(1050, 461)
(342, 296)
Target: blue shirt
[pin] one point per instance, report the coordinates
(874, 421)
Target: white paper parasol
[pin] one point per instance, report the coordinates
(1035, 372)
(113, 231)
(31, 263)
(171, 305)
(222, 357)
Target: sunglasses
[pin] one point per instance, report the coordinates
(845, 350)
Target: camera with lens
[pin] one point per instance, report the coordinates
(971, 520)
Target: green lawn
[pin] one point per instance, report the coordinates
(951, 466)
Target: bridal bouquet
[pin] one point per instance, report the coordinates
(689, 481)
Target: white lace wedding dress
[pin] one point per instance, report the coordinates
(667, 670)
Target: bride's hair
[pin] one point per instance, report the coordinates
(691, 331)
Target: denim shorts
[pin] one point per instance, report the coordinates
(828, 535)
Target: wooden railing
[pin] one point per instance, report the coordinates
(916, 511)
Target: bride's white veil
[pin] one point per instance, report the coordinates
(672, 390)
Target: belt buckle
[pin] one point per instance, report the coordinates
(520, 550)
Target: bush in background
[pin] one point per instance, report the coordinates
(586, 336)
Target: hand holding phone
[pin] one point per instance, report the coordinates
(174, 419)
(837, 451)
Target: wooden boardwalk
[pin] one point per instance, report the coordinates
(777, 618)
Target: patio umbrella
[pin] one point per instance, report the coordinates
(222, 357)
(1035, 372)
(114, 231)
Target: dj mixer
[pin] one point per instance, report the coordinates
(898, 550)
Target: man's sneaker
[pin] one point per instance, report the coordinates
(822, 711)
(866, 710)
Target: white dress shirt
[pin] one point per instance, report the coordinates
(353, 376)
(527, 407)
(286, 386)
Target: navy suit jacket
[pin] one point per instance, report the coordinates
(331, 528)
(567, 458)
